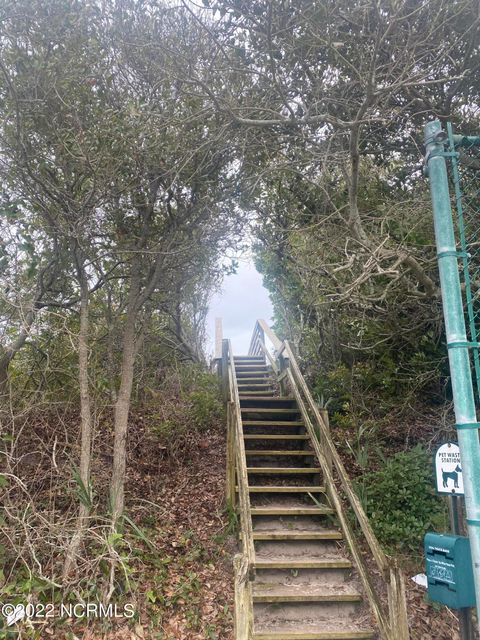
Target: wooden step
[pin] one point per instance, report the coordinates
(249, 375)
(273, 423)
(291, 511)
(275, 399)
(274, 436)
(318, 563)
(278, 452)
(247, 370)
(260, 384)
(266, 386)
(289, 489)
(269, 410)
(305, 593)
(274, 598)
(251, 365)
(260, 394)
(366, 634)
(284, 470)
(283, 534)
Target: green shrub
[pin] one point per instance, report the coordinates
(336, 387)
(205, 408)
(189, 401)
(400, 499)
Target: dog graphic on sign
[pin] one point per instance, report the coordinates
(451, 475)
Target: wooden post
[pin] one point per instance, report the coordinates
(261, 337)
(325, 447)
(243, 600)
(231, 493)
(218, 346)
(218, 338)
(397, 604)
(225, 369)
(282, 366)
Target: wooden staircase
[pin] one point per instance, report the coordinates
(304, 587)
(302, 572)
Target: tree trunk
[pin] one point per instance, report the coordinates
(86, 426)
(9, 352)
(111, 348)
(5, 360)
(122, 406)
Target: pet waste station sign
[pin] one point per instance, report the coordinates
(448, 470)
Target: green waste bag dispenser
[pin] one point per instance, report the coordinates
(449, 570)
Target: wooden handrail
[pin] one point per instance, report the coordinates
(393, 623)
(335, 500)
(261, 330)
(378, 554)
(242, 474)
(256, 335)
(270, 358)
(244, 563)
(271, 334)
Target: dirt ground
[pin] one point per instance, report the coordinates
(181, 581)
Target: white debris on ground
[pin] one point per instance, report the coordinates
(420, 579)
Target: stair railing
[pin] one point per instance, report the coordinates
(257, 343)
(392, 615)
(244, 562)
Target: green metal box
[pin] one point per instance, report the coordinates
(449, 570)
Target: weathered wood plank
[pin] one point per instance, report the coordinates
(268, 355)
(273, 423)
(218, 338)
(243, 599)
(224, 369)
(275, 436)
(269, 399)
(231, 491)
(328, 455)
(241, 467)
(288, 489)
(269, 410)
(279, 452)
(396, 602)
(267, 330)
(298, 535)
(303, 564)
(285, 470)
(291, 511)
(305, 597)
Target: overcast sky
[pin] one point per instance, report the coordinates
(241, 302)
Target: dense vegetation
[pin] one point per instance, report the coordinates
(141, 143)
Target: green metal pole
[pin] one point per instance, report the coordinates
(458, 355)
(464, 614)
(466, 141)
